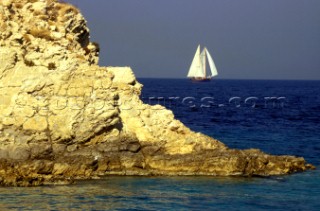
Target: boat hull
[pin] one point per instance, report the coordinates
(200, 79)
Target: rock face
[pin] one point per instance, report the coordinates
(62, 117)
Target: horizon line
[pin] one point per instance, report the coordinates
(244, 79)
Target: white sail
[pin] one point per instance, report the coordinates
(196, 69)
(213, 67)
(203, 61)
(198, 65)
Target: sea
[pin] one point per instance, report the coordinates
(278, 117)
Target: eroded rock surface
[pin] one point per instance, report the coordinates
(62, 117)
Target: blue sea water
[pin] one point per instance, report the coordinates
(278, 117)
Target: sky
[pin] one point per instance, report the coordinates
(248, 39)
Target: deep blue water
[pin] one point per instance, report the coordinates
(279, 117)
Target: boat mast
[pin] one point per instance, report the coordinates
(203, 62)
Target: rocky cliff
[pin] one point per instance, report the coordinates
(62, 117)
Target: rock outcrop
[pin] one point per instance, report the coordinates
(62, 117)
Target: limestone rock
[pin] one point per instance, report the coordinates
(62, 116)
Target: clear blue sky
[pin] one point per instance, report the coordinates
(249, 39)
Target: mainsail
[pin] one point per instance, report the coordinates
(198, 65)
(196, 69)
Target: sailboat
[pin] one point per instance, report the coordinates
(198, 69)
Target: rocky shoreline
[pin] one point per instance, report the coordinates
(64, 118)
